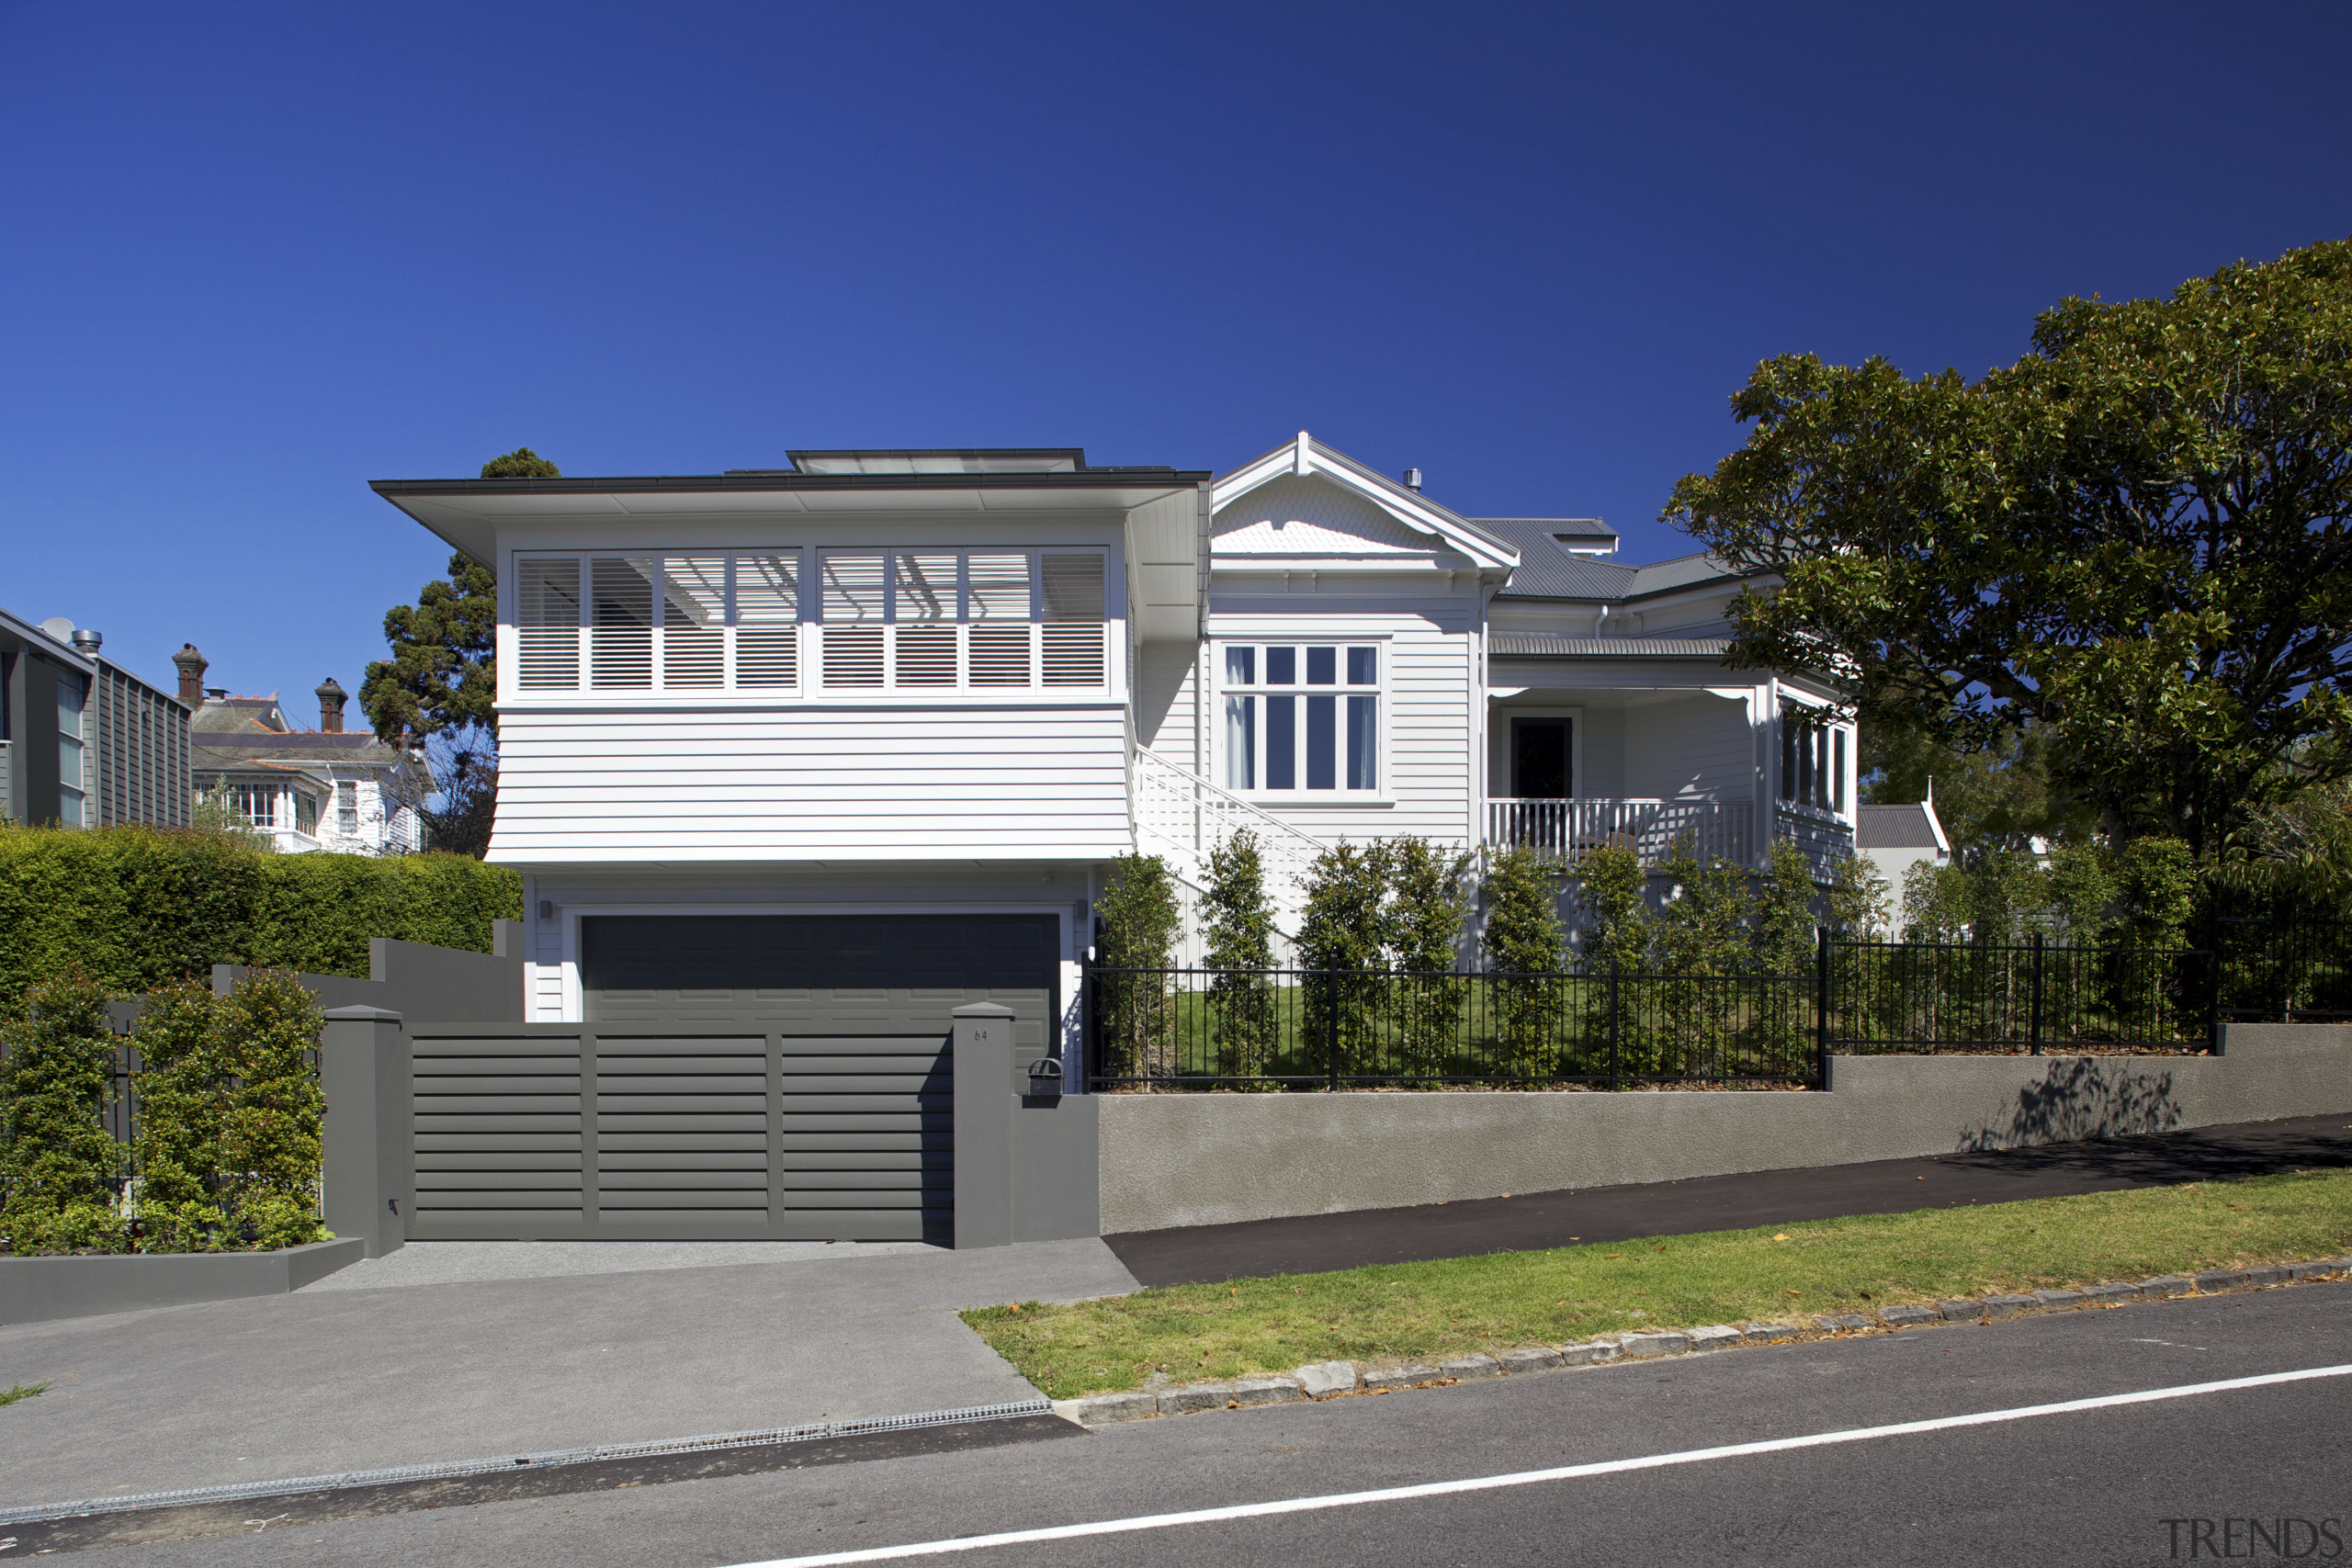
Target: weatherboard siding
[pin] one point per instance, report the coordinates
(1692, 745)
(831, 784)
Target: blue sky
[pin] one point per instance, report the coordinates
(256, 257)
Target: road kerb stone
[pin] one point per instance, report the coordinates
(1411, 1375)
(2220, 1279)
(1962, 1309)
(1266, 1390)
(2112, 1291)
(1654, 1342)
(2007, 1305)
(1325, 1378)
(2266, 1276)
(1591, 1353)
(2059, 1298)
(1193, 1396)
(1846, 1321)
(1529, 1358)
(1098, 1409)
(1715, 1337)
(2166, 1285)
(1768, 1333)
(1470, 1367)
(1909, 1316)
(2320, 1269)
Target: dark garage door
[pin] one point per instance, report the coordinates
(736, 1078)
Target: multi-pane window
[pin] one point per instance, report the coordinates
(1813, 761)
(346, 807)
(927, 620)
(698, 623)
(72, 787)
(961, 620)
(256, 803)
(306, 813)
(1301, 716)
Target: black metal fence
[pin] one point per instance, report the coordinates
(1911, 998)
(2286, 971)
(1304, 1029)
(1295, 1029)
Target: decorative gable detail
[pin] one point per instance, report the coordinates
(1312, 516)
(1306, 462)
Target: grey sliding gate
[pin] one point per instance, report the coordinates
(768, 1078)
(555, 1132)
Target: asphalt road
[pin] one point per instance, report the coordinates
(2084, 1488)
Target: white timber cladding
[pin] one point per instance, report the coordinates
(1687, 747)
(812, 783)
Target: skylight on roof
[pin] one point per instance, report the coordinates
(972, 460)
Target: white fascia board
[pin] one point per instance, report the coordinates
(1306, 456)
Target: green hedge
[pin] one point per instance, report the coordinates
(138, 907)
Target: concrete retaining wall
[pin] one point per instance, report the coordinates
(36, 1290)
(1188, 1160)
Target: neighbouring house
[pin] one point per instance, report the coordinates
(84, 742)
(326, 789)
(1896, 838)
(796, 761)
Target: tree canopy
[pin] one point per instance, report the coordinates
(520, 464)
(2131, 541)
(443, 672)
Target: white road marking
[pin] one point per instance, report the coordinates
(1532, 1477)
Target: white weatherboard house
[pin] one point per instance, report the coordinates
(870, 729)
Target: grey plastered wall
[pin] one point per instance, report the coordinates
(1186, 1159)
(1026, 1165)
(365, 1137)
(422, 983)
(42, 1290)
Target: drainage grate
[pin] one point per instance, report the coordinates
(452, 1468)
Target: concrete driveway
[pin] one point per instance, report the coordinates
(365, 1376)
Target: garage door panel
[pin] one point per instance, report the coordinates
(496, 1180)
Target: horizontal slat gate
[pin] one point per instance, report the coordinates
(771, 1078)
(683, 1137)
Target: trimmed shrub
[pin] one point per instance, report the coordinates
(136, 908)
(1523, 940)
(1140, 919)
(1241, 940)
(230, 1118)
(58, 1166)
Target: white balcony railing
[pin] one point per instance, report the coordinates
(1566, 828)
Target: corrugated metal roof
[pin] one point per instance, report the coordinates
(1542, 645)
(1547, 571)
(1893, 828)
(1679, 572)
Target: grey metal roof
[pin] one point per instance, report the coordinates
(1893, 828)
(1679, 572)
(1547, 571)
(1544, 644)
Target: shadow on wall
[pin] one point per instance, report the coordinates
(2082, 1098)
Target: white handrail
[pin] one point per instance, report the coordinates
(1182, 813)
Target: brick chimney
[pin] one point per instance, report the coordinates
(331, 700)
(192, 668)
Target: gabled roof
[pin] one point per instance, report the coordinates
(1547, 570)
(1899, 827)
(1305, 455)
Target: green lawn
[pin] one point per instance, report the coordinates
(1423, 1310)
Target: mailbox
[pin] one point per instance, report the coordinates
(1044, 1076)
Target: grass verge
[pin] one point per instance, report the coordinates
(1422, 1310)
(21, 1391)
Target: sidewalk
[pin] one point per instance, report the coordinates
(1313, 1244)
(356, 1378)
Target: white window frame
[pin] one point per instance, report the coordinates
(1384, 647)
(809, 684)
(1837, 763)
